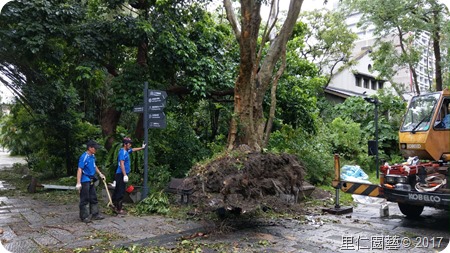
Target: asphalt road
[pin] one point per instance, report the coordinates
(369, 230)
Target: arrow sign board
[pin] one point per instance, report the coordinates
(156, 100)
(157, 123)
(157, 93)
(156, 116)
(138, 108)
(157, 120)
(155, 108)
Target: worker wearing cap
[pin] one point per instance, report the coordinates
(122, 172)
(85, 183)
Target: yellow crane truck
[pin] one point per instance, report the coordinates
(424, 138)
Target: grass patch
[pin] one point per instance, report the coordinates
(373, 177)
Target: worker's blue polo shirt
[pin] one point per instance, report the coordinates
(87, 164)
(124, 155)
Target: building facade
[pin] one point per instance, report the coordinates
(359, 79)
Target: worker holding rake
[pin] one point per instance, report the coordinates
(85, 184)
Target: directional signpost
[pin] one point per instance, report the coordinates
(156, 103)
(154, 117)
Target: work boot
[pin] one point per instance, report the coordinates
(95, 212)
(86, 220)
(114, 207)
(118, 208)
(98, 217)
(84, 214)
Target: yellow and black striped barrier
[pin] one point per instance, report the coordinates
(372, 190)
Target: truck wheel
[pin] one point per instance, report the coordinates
(411, 211)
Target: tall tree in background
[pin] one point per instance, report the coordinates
(435, 16)
(328, 40)
(398, 23)
(259, 59)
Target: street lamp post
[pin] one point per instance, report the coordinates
(376, 102)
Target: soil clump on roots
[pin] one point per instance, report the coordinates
(244, 182)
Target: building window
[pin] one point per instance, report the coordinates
(358, 81)
(373, 84)
(366, 83)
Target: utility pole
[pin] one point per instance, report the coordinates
(374, 150)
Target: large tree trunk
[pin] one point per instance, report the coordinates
(109, 119)
(142, 62)
(436, 46)
(248, 123)
(243, 90)
(410, 65)
(109, 116)
(437, 57)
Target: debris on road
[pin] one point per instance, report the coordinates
(32, 187)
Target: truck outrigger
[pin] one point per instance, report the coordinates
(424, 138)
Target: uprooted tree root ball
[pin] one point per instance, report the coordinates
(247, 181)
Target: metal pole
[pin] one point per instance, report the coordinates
(337, 180)
(376, 138)
(336, 204)
(376, 103)
(145, 187)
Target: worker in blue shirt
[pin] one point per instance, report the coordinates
(85, 184)
(122, 172)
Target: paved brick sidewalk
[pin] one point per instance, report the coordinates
(29, 225)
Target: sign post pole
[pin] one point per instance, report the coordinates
(145, 187)
(154, 117)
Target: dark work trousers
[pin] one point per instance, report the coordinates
(88, 198)
(119, 191)
(88, 195)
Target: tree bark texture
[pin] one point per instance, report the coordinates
(255, 73)
(142, 62)
(410, 65)
(437, 47)
(109, 119)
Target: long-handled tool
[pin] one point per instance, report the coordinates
(109, 196)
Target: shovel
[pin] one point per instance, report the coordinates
(110, 203)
